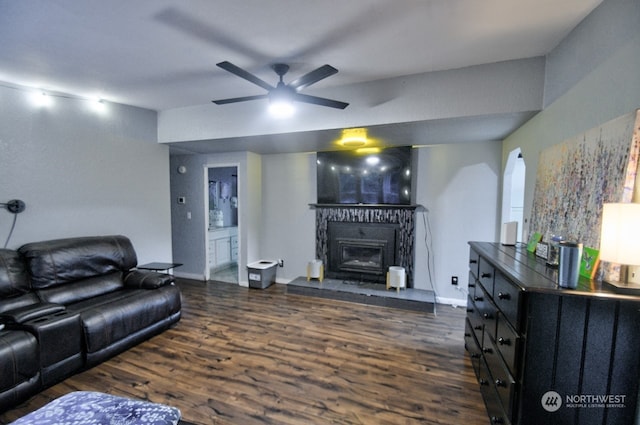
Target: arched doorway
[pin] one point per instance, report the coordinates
(513, 190)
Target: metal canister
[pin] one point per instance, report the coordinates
(569, 257)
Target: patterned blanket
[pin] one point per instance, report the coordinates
(93, 408)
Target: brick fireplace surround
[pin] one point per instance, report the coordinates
(401, 215)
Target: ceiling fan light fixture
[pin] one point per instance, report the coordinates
(281, 108)
(281, 102)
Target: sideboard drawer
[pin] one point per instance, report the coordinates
(501, 378)
(474, 259)
(473, 315)
(485, 275)
(508, 344)
(472, 346)
(488, 312)
(473, 284)
(507, 299)
(491, 398)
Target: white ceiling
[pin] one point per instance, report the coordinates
(161, 54)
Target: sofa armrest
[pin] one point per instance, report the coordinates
(30, 312)
(147, 279)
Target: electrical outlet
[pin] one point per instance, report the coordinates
(454, 280)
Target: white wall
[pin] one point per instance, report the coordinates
(84, 173)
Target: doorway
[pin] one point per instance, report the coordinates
(513, 191)
(222, 226)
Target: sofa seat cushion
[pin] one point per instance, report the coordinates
(110, 318)
(18, 358)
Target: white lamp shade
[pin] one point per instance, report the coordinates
(620, 236)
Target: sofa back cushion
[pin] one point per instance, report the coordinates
(14, 279)
(15, 290)
(81, 290)
(57, 262)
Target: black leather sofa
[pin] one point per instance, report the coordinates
(69, 304)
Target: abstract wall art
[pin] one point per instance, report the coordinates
(575, 177)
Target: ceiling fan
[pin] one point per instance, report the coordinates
(283, 92)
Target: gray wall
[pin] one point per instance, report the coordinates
(609, 85)
(496, 88)
(458, 183)
(189, 221)
(84, 173)
(589, 45)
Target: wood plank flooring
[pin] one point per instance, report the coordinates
(250, 356)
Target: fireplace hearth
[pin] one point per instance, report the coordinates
(361, 242)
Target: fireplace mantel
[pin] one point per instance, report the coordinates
(383, 206)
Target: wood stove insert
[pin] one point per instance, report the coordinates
(362, 251)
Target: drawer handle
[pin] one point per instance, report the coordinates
(503, 341)
(472, 285)
(484, 275)
(504, 296)
(473, 261)
(500, 383)
(477, 298)
(469, 310)
(487, 350)
(496, 420)
(475, 356)
(483, 382)
(467, 334)
(478, 327)
(487, 316)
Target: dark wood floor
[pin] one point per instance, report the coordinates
(250, 356)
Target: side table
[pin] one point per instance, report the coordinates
(160, 267)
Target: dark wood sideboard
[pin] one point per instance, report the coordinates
(547, 355)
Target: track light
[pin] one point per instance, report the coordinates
(41, 99)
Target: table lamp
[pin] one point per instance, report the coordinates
(620, 242)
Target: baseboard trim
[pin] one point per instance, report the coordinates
(456, 302)
(192, 276)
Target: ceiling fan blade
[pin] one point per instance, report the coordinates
(228, 66)
(320, 101)
(313, 77)
(239, 99)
